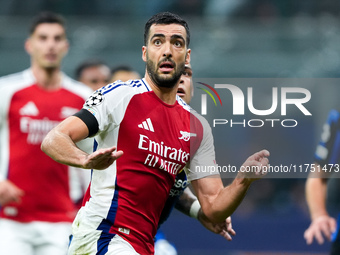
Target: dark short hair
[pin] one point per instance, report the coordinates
(46, 17)
(119, 68)
(165, 18)
(87, 64)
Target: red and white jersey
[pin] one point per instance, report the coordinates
(27, 114)
(158, 140)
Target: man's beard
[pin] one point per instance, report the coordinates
(164, 82)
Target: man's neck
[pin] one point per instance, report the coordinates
(167, 95)
(49, 79)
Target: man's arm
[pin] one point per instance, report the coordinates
(316, 192)
(220, 202)
(185, 203)
(60, 145)
(189, 205)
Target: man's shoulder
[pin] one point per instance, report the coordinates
(183, 104)
(19, 78)
(333, 119)
(193, 113)
(128, 87)
(116, 93)
(196, 118)
(334, 115)
(76, 87)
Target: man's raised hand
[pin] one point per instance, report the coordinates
(102, 158)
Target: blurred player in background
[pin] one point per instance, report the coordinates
(93, 73)
(327, 160)
(96, 73)
(123, 73)
(35, 191)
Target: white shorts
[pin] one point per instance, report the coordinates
(92, 244)
(87, 241)
(34, 238)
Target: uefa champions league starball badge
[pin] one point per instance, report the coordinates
(95, 99)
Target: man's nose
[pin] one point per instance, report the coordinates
(167, 50)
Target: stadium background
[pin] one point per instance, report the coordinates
(230, 38)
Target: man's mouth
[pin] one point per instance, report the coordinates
(166, 66)
(180, 92)
(51, 57)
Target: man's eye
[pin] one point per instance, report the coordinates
(187, 73)
(157, 42)
(178, 44)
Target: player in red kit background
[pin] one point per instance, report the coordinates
(35, 191)
(159, 135)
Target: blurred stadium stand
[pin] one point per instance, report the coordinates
(264, 38)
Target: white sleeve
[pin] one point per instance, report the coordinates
(108, 106)
(203, 162)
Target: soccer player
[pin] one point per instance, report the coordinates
(35, 200)
(93, 73)
(158, 135)
(326, 156)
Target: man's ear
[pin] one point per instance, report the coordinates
(144, 48)
(187, 57)
(28, 46)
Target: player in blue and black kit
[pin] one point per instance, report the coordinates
(327, 160)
